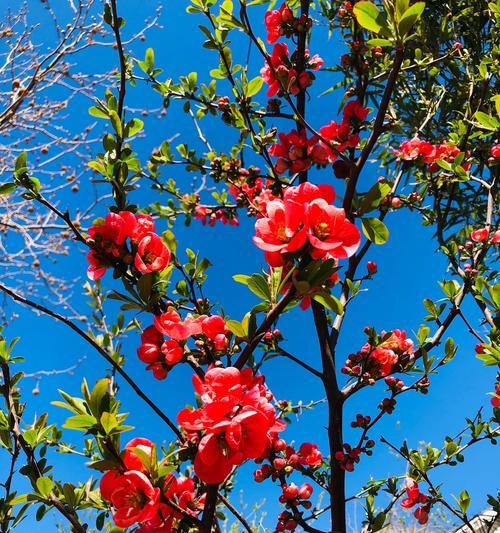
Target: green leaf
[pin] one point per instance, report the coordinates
(116, 122)
(464, 501)
(236, 327)
(410, 16)
(44, 486)
(149, 59)
(80, 422)
(241, 278)
(379, 42)
(369, 17)
(372, 199)
(254, 86)
(487, 121)
(258, 285)
(134, 126)
(108, 422)
(21, 161)
(329, 301)
(7, 188)
(97, 112)
(375, 230)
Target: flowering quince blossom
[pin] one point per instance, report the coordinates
(278, 22)
(160, 355)
(181, 491)
(340, 137)
(132, 496)
(378, 360)
(108, 237)
(296, 152)
(495, 400)
(305, 215)
(426, 153)
(310, 455)
(210, 215)
(414, 497)
(495, 153)
(480, 235)
(235, 423)
(279, 73)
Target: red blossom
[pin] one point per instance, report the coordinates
(480, 235)
(152, 254)
(171, 324)
(132, 496)
(277, 21)
(131, 459)
(310, 455)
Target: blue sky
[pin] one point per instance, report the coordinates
(408, 270)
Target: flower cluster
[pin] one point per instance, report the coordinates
(283, 460)
(210, 215)
(380, 356)
(426, 153)
(280, 71)
(342, 136)
(282, 22)
(415, 497)
(305, 219)
(162, 354)
(236, 421)
(128, 239)
(296, 152)
(136, 500)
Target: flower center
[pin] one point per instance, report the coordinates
(322, 230)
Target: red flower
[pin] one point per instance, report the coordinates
(353, 110)
(282, 230)
(385, 359)
(480, 235)
(276, 22)
(328, 231)
(495, 151)
(339, 137)
(310, 455)
(145, 225)
(416, 149)
(307, 192)
(496, 237)
(151, 341)
(296, 153)
(495, 400)
(421, 515)
(132, 495)
(171, 324)
(131, 459)
(213, 326)
(172, 351)
(152, 254)
(236, 418)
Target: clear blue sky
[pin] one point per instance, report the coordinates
(408, 270)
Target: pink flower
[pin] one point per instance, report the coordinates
(328, 231)
(131, 459)
(152, 254)
(276, 22)
(172, 351)
(480, 235)
(170, 323)
(310, 455)
(282, 230)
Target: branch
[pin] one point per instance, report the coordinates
(101, 351)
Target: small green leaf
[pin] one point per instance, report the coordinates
(258, 285)
(410, 16)
(97, 112)
(254, 86)
(44, 486)
(375, 230)
(236, 327)
(487, 121)
(329, 301)
(134, 126)
(369, 17)
(7, 188)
